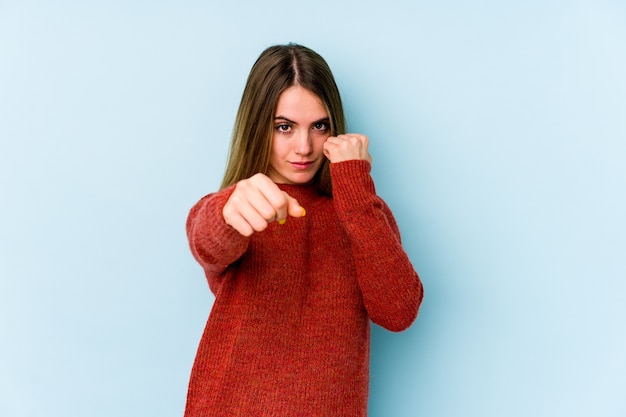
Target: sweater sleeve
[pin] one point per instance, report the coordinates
(214, 244)
(392, 291)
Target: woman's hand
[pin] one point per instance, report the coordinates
(346, 147)
(256, 202)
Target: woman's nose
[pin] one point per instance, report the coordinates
(303, 145)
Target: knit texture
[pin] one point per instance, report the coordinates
(288, 334)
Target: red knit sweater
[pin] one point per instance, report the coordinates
(288, 334)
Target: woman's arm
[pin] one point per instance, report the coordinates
(214, 244)
(392, 291)
(220, 225)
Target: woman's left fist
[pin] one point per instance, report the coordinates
(346, 147)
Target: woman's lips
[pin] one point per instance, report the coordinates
(301, 165)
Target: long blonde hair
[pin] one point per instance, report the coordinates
(278, 68)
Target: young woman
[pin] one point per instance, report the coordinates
(299, 252)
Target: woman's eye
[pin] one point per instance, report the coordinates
(283, 128)
(322, 126)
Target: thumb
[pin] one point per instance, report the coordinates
(294, 209)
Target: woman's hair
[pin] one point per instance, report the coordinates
(278, 68)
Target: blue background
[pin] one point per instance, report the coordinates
(498, 132)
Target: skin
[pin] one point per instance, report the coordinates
(301, 141)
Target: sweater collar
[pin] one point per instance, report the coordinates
(300, 191)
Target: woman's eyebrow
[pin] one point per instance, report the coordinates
(285, 119)
(324, 119)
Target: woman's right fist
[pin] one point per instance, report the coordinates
(256, 202)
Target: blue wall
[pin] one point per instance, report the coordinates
(498, 132)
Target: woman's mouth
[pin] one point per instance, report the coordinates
(301, 165)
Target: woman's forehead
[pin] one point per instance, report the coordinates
(297, 104)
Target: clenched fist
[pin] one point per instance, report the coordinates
(346, 147)
(256, 202)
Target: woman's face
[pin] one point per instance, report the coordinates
(301, 126)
